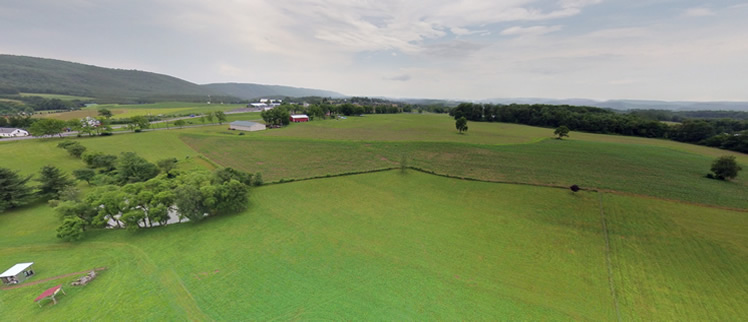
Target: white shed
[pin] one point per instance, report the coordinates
(246, 126)
(17, 274)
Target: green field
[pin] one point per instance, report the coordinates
(130, 110)
(58, 96)
(406, 246)
(378, 246)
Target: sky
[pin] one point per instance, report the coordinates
(445, 49)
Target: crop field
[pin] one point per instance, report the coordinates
(395, 245)
(130, 110)
(378, 246)
(59, 96)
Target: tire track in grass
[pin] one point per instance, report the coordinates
(607, 258)
(170, 280)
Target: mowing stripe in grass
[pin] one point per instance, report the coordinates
(607, 257)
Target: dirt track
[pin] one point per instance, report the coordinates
(50, 279)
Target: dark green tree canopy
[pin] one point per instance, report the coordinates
(725, 167)
(461, 124)
(561, 132)
(133, 168)
(14, 191)
(52, 181)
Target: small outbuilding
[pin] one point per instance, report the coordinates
(12, 132)
(246, 126)
(17, 274)
(299, 118)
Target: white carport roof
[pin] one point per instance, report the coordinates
(17, 268)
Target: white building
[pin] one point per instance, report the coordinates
(246, 126)
(12, 132)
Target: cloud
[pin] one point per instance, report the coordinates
(698, 12)
(401, 78)
(452, 49)
(530, 31)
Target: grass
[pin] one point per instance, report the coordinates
(404, 246)
(392, 246)
(672, 261)
(126, 111)
(58, 96)
(631, 168)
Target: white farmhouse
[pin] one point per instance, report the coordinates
(12, 132)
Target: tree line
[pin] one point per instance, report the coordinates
(727, 134)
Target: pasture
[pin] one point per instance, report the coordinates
(130, 110)
(58, 96)
(396, 246)
(403, 246)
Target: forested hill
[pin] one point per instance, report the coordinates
(40, 75)
(254, 91)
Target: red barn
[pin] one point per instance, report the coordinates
(299, 118)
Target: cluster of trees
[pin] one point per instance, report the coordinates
(280, 114)
(144, 204)
(723, 133)
(127, 191)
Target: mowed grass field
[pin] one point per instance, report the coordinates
(130, 110)
(396, 246)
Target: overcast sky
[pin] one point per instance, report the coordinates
(470, 49)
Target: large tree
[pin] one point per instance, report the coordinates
(220, 116)
(13, 189)
(561, 132)
(52, 181)
(725, 167)
(461, 124)
(47, 126)
(133, 168)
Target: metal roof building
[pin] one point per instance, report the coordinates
(17, 274)
(246, 126)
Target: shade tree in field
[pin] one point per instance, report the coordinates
(106, 113)
(179, 123)
(561, 132)
(48, 126)
(461, 124)
(725, 167)
(138, 122)
(14, 189)
(220, 116)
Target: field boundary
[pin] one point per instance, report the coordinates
(592, 189)
(50, 279)
(608, 263)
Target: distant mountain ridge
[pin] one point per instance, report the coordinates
(43, 75)
(251, 91)
(629, 104)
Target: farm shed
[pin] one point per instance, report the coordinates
(12, 132)
(246, 126)
(17, 274)
(299, 118)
